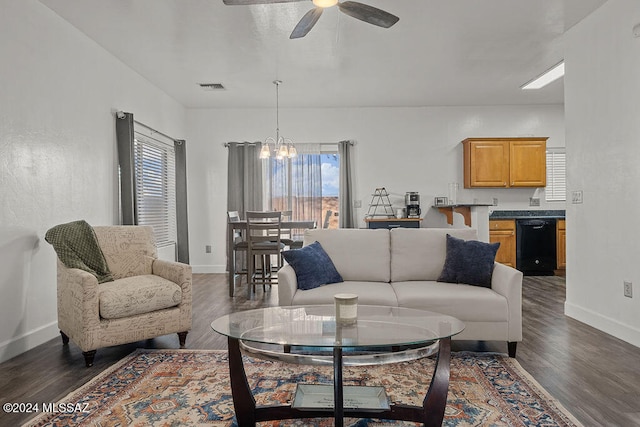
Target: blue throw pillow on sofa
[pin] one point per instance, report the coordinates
(469, 262)
(313, 266)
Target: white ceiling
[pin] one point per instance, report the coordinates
(441, 52)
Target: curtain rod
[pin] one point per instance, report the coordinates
(226, 144)
(154, 131)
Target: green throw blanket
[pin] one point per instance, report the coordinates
(77, 247)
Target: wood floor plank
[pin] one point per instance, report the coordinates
(594, 375)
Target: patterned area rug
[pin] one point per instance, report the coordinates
(191, 388)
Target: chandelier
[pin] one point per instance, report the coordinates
(281, 147)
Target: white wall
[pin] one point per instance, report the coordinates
(57, 154)
(401, 149)
(603, 152)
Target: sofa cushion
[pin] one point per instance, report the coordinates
(369, 293)
(419, 253)
(469, 262)
(312, 265)
(137, 295)
(358, 254)
(465, 302)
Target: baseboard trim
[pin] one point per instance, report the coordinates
(16, 346)
(209, 269)
(605, 324)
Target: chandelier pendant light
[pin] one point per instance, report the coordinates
(281, 147)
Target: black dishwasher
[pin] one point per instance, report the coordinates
(536, 246)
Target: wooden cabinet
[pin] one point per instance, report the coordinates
(528, 163)
(486, 163)
(504, 232)
(561, 244)
(505, 162)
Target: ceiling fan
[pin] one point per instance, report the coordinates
(363, 12)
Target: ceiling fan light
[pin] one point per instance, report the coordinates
(325, 3)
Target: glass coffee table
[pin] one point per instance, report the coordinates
(310, 335)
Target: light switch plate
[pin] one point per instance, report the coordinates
(534, 201)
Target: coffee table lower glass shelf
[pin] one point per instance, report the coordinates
(320, 396)
(380, 335)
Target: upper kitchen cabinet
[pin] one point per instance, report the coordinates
(505, 162)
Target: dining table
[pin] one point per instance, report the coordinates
(241, 225)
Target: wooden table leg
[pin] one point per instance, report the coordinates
(435, 402)
(431, 413)
(338, 389)
(232, 268)
(243, 400)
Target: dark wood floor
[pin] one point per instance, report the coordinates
(595, 376)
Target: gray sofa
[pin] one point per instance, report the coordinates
(399, 267)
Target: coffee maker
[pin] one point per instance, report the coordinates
(412, 200)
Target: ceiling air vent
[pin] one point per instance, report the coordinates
(212, 86)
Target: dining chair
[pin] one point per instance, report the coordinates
(263, 241)
(327, 218)
(287, 235)
(237, 264)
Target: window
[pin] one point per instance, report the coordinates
(155, 194)
(556, 190)
(306, 185)
(152, 172)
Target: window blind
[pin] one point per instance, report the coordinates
(556, 190)
(155, 190)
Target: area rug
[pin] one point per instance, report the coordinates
(191, 388)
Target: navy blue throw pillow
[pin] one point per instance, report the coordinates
(469, 262)
(313, 266)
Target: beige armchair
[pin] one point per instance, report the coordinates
(149, 297)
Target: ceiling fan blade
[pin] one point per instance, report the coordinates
(369, 14)
(306, 23)
(247, 2)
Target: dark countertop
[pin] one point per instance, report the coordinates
(557, 214)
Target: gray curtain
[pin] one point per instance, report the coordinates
(346, 211)
(244, 191)
(296, 184)
(244, 169)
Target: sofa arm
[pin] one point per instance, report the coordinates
(180, 274)
(176, 272)
(287, 285)
(507, 281)
(78, 307)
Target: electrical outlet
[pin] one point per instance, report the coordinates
(207, 249)
(534, 201)
(576, 197)
(357, 203)
(628, 289)
(495, 201)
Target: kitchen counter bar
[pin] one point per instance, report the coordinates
(533, 214)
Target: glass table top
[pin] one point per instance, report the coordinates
(315, 326)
